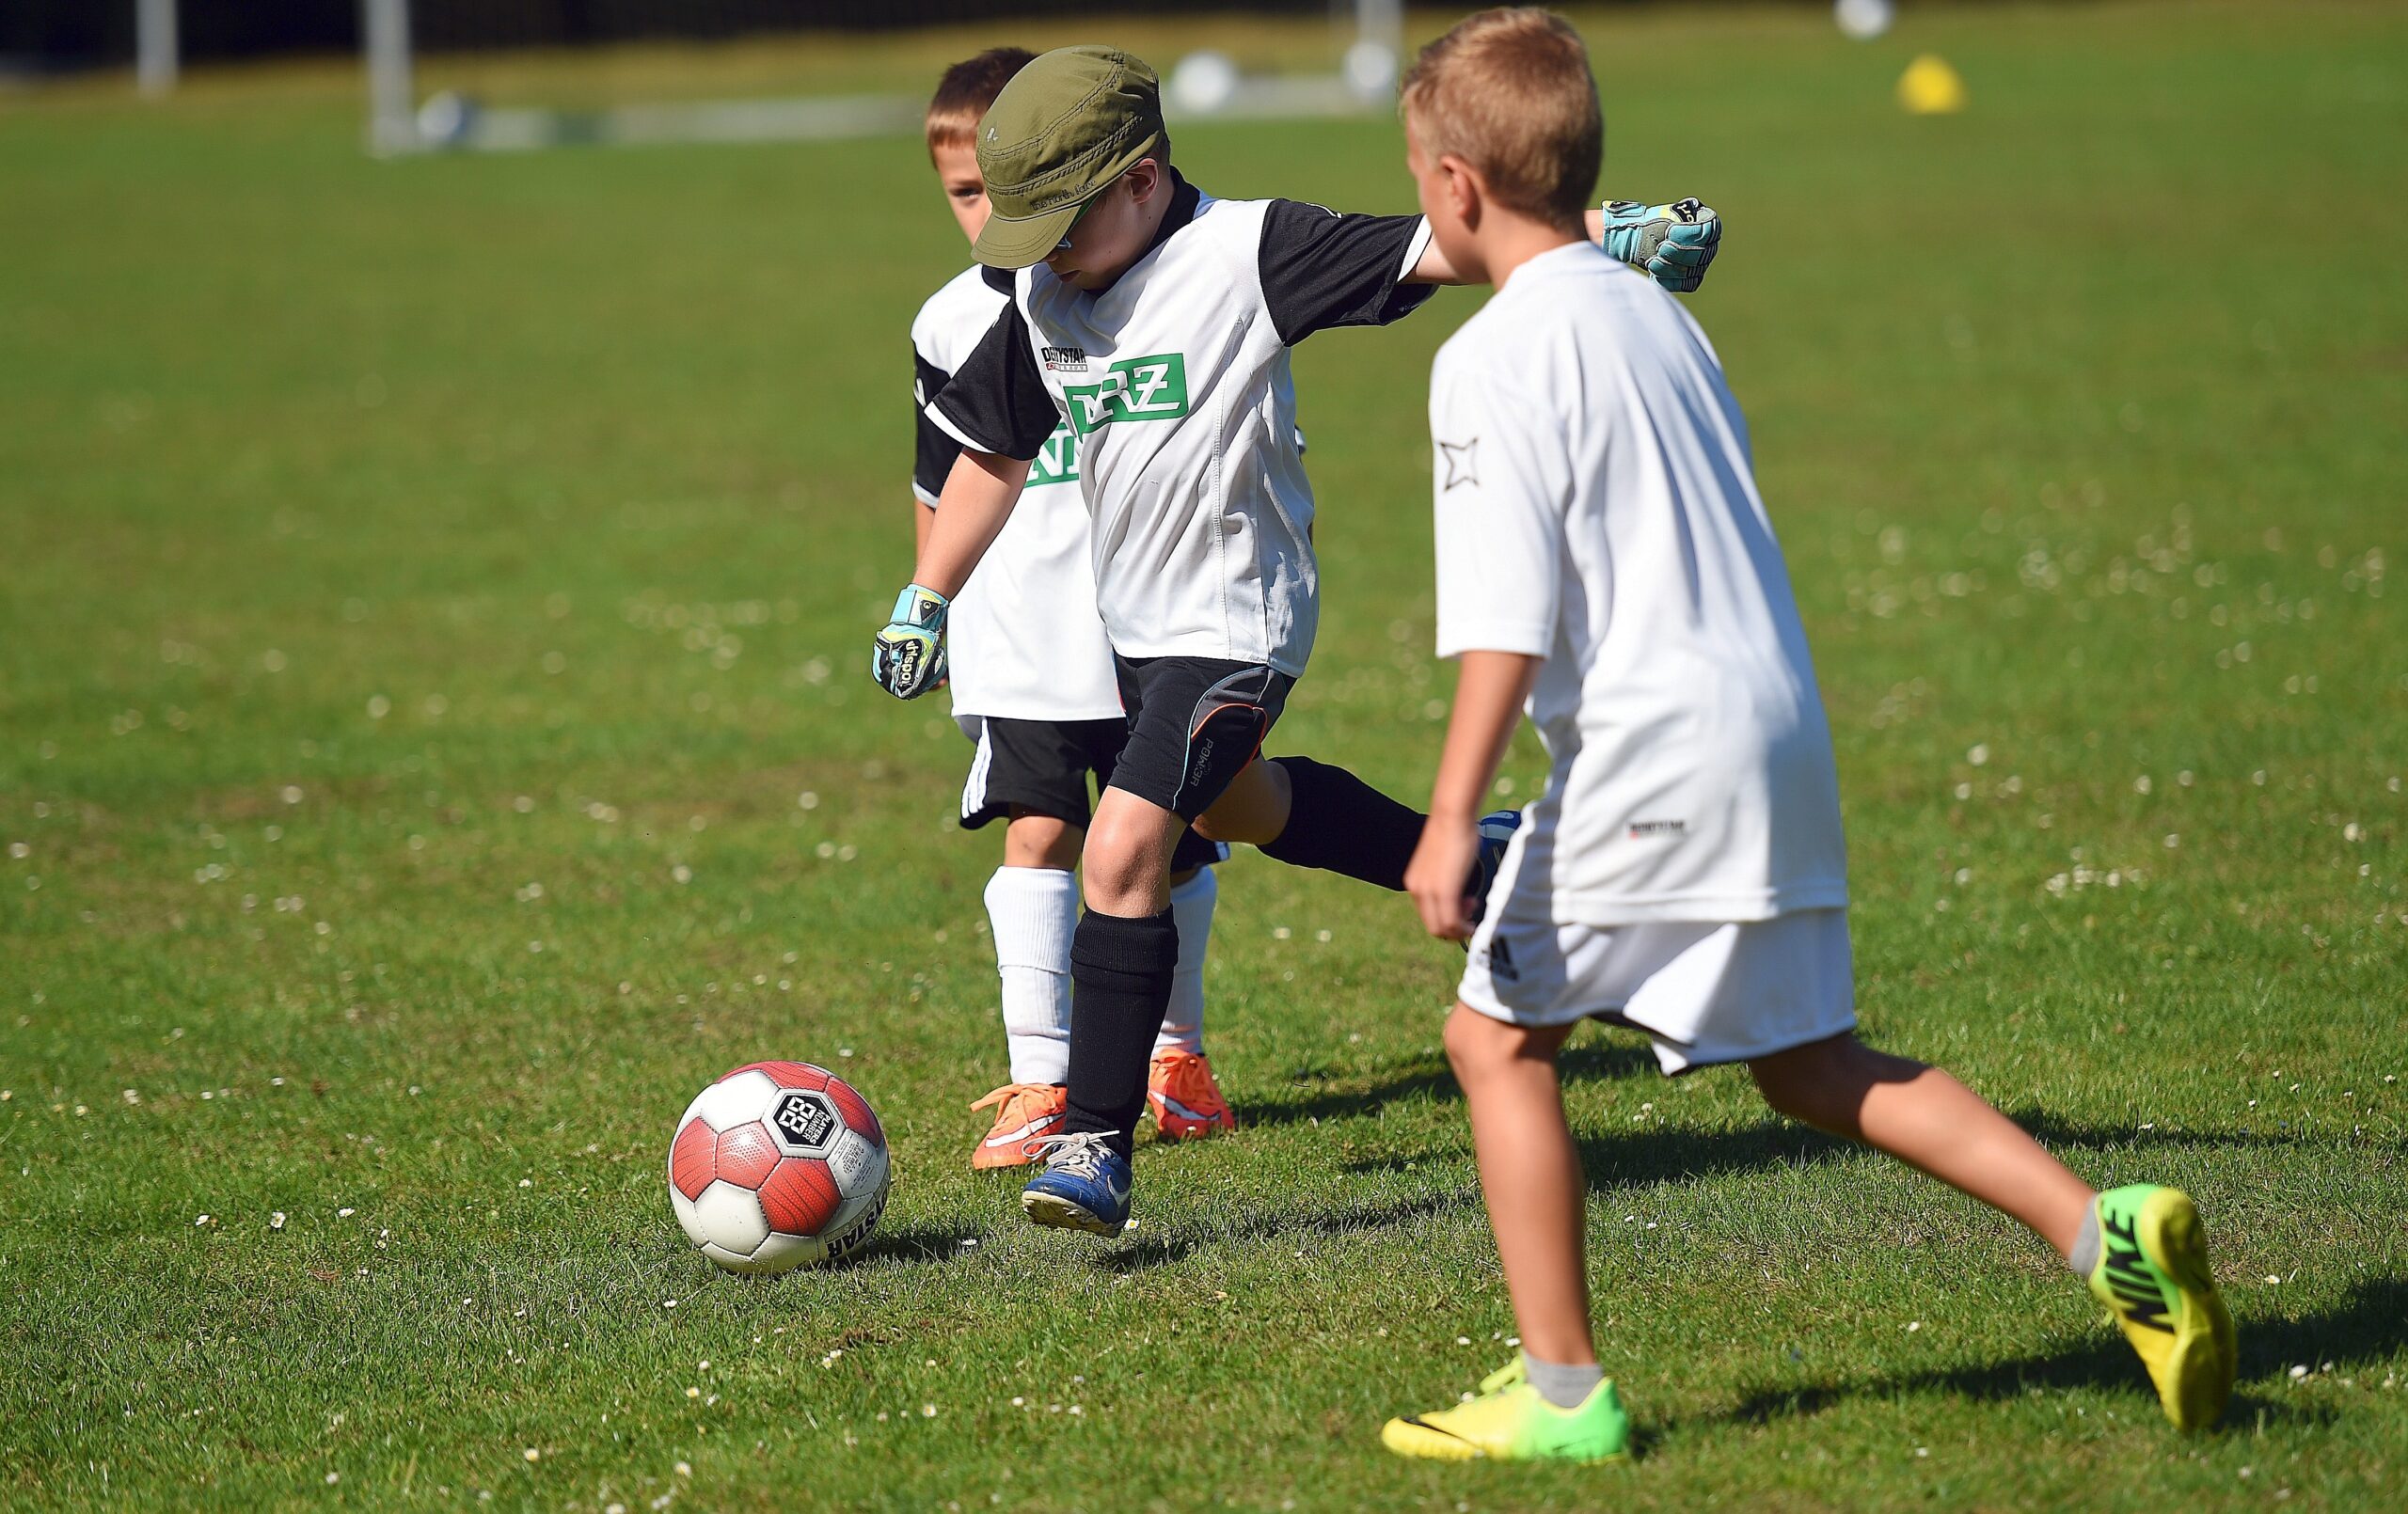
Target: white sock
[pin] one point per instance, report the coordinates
(1034, 911)
(1191, 909)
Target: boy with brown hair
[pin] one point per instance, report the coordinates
(1033, 685)
(1605, 562)
(1158, 322)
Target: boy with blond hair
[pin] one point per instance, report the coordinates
(1604, 559)
(1032, 683)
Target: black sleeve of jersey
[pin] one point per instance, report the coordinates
(933, 451)
(1321, 269)
(997, 396)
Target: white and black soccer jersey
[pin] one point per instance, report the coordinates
(1597, 508)
(1022, 637)
(1176, 382)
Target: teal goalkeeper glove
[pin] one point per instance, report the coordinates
(908, 657)
(1673, 243)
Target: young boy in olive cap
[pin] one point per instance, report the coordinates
(1033, 685)
(1605, 559)
(1157, 321)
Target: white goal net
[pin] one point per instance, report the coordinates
(518, 75)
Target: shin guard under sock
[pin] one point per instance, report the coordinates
(1121, 972)
(1339, 822)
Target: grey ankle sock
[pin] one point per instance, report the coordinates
(2085, 1256)
(1565, 1387)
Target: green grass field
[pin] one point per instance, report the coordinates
(434, 741)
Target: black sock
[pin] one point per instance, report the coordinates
(1121, 972)
(1337, 822)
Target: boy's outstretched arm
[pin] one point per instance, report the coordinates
(1674, 245)
(1489, 695)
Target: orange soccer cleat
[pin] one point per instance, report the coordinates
(1186, 1102)
(1028, 1116)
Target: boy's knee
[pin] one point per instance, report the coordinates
(1114, 884)
(1800, 1081)
(1122, 868)
(1476, 1044)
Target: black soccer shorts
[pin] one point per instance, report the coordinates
(1193, 724)
(1044, 768)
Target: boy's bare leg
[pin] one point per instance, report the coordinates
(2153, 1271)
(1925, 1118)
(1253, 809)
(1032, 840)
(1530, 1172)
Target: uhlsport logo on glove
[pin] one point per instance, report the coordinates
(908, 659)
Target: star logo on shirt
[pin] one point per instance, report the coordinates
(1462, 463)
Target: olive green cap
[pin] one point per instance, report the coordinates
(1065, 126)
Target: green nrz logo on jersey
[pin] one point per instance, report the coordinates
(1059, 461)
(1142, 388)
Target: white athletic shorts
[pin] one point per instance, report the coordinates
(1704, 992)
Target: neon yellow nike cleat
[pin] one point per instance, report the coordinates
(1510, 1421)
(2153, 1277)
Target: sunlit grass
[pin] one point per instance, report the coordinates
(433, 741)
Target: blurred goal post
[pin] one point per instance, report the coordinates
(1201, 84)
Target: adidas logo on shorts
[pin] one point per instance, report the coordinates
(1499, 961)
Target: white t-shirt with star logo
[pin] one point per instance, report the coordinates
(1598, 509)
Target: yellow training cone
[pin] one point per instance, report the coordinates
(1930, 88)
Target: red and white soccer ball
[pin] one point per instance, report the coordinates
(777, 1164)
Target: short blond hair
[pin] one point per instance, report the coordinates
(1509, 91)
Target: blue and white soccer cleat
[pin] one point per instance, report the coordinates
(1085, 1186)
(1495, 833)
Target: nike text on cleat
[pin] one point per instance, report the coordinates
(1025, 1115)
(1511, 1421)
(2154, 1279)
(1085, 1186)
(1185, 1099)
